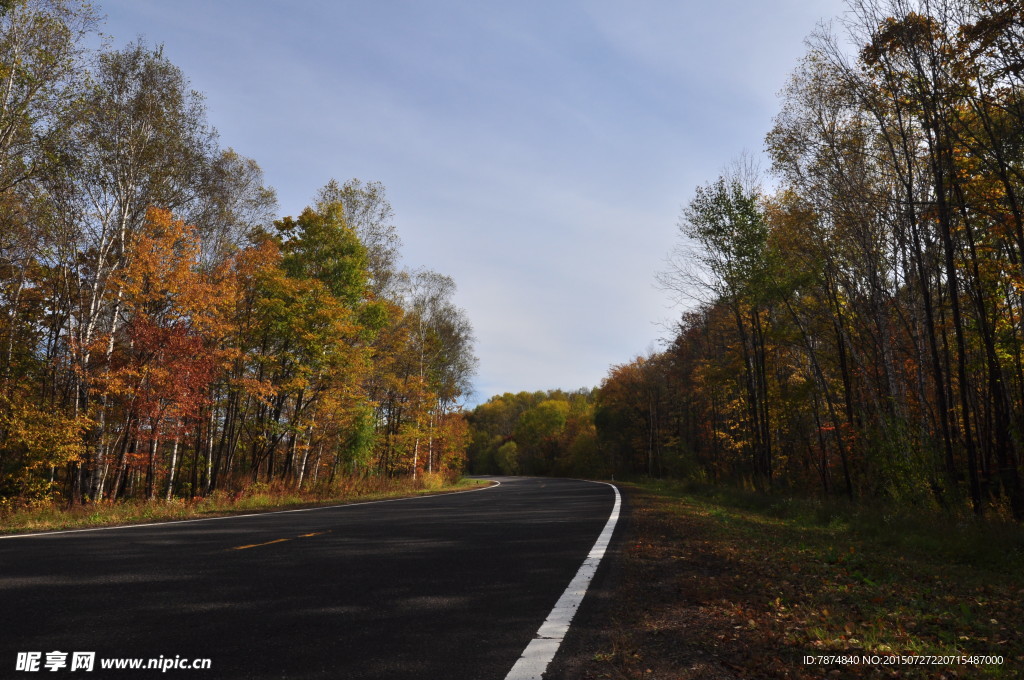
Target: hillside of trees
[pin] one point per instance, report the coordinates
(535, 433)
(855, 326)
(162, 332)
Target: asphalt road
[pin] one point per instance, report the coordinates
(444, 587)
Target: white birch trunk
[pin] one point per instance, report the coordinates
(174, 461)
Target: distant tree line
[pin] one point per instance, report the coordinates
(858, 329)
(535, 433)
(161, 333)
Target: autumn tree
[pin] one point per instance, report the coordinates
(161, 333)
(725, 220)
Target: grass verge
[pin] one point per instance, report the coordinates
(256, 498)
(727, 585)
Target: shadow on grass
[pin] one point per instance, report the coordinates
(724, 584)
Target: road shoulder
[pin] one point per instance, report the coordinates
(613, 636)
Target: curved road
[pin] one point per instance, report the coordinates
(451, 586)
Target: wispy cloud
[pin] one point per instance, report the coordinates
(537, 152)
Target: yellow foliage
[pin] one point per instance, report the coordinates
(44, 435)
(163, 279)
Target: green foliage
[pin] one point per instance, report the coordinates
(538, 435)
(507, 458)
(373, 316)
(906, 473)
(320, 245)
(584, 457)
(725, 218)
(359, 446)
(549, 433)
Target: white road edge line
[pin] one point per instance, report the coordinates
(541, 650)
(250, 514)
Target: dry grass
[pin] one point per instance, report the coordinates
(257, 497)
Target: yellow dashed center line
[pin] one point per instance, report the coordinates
(256, 545)
(279, 540)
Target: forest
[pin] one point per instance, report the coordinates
(853, 324)
(854, 321)
(163, 333)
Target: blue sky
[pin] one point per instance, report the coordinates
(537, 152)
